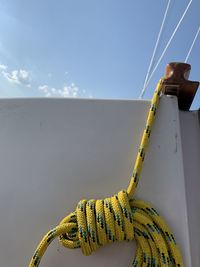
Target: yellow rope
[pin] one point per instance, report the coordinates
(97, 222)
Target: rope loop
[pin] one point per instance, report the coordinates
(99, 222)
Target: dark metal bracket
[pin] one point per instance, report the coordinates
(176, 83)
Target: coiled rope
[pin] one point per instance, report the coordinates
(97, 222)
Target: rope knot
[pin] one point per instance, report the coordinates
(104, 221)
(98, 222)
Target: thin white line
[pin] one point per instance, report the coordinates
(192, 45)
(166, 47)
(156, 44)
(169, 42)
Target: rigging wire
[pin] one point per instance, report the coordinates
(192, 45)
(156, 44)
(166, 47)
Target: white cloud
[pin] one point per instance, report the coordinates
(22, 77)
(3, 67)
(71, 90)
(67, 91)
(45, 88)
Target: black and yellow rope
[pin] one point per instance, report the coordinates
(97, 222)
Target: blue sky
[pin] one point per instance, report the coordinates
(90, 48)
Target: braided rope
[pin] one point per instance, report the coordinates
(98, 222)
